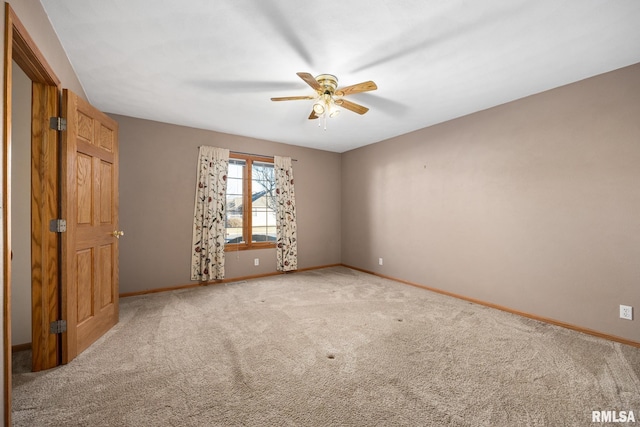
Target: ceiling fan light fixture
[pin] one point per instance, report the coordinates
(332, 108)
(329, 97)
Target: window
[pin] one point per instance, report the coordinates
(251, 203)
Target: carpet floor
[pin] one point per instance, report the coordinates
(329, 347)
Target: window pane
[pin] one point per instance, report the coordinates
(263, 202)
(236, 168)
(235, 204)
(263, 178)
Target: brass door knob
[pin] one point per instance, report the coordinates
(117, 234)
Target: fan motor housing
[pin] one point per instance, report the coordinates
(329, 82)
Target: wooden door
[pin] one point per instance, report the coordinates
(45, 261)
(89, 193)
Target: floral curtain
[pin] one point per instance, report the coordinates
(207, 255)
(287, 243)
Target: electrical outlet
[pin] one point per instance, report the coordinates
(256, 261)
(379, 261)
(626, 312)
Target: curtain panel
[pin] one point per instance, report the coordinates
(287, 242)
(207, 256)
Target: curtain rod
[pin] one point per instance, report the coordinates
(253, 154)
(257, 155)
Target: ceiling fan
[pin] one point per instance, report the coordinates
(328, 96)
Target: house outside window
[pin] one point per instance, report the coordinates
(251, 203)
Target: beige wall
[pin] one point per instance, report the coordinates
(20, 208)
(533, 205)
(157, 191)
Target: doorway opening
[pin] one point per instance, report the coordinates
(21, 329)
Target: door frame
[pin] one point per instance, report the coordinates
(21, 48)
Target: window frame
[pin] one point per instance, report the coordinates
(247, 212)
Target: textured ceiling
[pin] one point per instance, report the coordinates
(216, 64)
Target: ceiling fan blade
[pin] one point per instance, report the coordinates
(383, 105)
(229, 86)
(293, 98)
(277, 19)
(357, 88)
(313, 115)
(356, 108)
(310, 80)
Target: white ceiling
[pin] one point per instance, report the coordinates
(216, 64)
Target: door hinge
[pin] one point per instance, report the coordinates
(58, 225)
(58, 327)
(58, 123)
